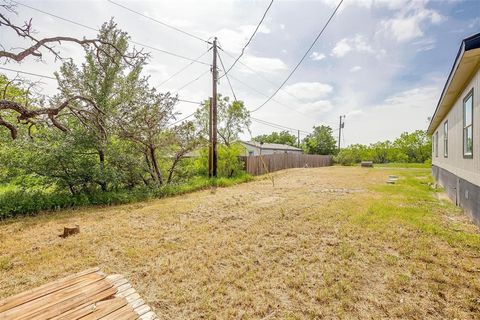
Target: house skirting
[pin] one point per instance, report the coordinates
(463, 193)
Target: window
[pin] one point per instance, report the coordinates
(445, 139)
(468, 126)
(436, 144)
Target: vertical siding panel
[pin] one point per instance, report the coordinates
(468, 169)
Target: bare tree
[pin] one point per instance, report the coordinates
(26, 114)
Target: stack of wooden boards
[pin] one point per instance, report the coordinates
(86, 295)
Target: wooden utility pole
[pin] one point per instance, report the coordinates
(210, 153)
(340, 130)
(298, 139)
(212, 170)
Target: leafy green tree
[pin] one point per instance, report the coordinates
(283, 137)
(108, 80)
(232, 119)
(229, 164)
(416, 146)
(144, 121)
(353, 154)
(320, 141)
(184, 138)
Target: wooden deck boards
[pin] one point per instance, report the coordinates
(87, 295)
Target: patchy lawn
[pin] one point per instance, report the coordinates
(333, 242)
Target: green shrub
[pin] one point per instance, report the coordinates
(20, 202)
(229, 164)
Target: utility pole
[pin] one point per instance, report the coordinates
(298, 139)
(340, 127)
(212, 169)
(210, 153)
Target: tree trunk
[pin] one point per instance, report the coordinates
(103, 183)
(72, 189)
(172, 168)
(149, 165)
(153, 157)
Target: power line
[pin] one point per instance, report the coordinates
(158, 21)
(29, 73)
(265, 95)
(183, 69)
(226, 74)
(249, 40)
(183, 119)
(278, 126)
(192, 81)
(303, 58)
(269, 81)
(259, 74)
(97, 30)
(189, 101)
(53, 78)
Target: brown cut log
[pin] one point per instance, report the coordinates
(70, 231)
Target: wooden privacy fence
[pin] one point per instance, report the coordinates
(257, 165)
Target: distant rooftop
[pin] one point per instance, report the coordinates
(272, 146)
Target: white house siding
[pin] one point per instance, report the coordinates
(468, 169)
(253, 150)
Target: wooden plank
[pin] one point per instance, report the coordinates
(126, 292)
(64, 306)
(142, 309)
(132, 297)
(105, 307)
(136, 303)
(89, 308)
(124, 287)
(56, 297)
(76, 313)
(44, 299)
(125, 312)
(43, 290)
(148, 316)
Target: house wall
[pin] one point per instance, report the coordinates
(459, 176)
(251, 150)
(465, 168)
(255, 151)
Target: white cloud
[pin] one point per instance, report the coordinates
(390, 4)
(408, 24)
(341, 48)
(474, 23)
(307, 97)
(309, 91)
(346, 45)
(262, 64)
(233, 40)
(317, 56)
(353, 113)
(316, 107)
(355, 69)
(417, 98)
(424, 44)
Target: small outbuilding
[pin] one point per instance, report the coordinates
(455, 130)
(253, 148)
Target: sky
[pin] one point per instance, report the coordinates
(381, 63)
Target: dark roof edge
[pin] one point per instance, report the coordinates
(469, 43)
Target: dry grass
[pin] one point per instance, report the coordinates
(323, 243)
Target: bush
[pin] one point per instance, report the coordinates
(229, 164)
(20, 202)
